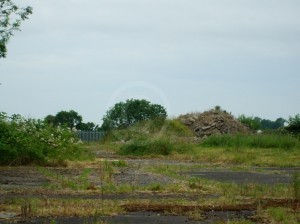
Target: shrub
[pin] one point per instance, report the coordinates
(178, 128)
(24, 141)
(250, 122)
(294, 125)
(149, 147)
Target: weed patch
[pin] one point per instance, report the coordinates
(262, 141)
(149, 147)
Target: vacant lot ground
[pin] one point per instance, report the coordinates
(126, 190)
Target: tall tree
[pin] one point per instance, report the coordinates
(125, 114)
(70, 119)
(11, 17)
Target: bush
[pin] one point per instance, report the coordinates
(250, 122)
(24, 141)
(252, 141)
(178, 128)
(149, 147)
(294, 125)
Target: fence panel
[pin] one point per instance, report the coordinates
(90, 136)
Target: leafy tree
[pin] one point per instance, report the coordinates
(279, 123)
(264, 124)
(294, 125)
(268, 124)
(69, 119)
(11, 17)
(125, 114)
(89, 126)
(49, 119)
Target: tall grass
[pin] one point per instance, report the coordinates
(149, 147)
(267, 141)
(143, 131)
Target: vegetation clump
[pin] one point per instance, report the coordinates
(294, 125)
(24, 141)
(272, 141)
(159, 146)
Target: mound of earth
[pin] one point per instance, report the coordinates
(213, 122)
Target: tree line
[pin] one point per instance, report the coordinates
(121, 115)
(257, 123)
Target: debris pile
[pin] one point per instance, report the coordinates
(213, 122)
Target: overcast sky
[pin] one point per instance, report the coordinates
(187, 55)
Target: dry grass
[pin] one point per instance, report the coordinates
(65, 207)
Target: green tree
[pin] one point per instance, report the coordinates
(89, 126)
(49, 119)
(69, 119)
(294, 125)
(279, 123)
(11, 17)
(268, 124)
(125, 114)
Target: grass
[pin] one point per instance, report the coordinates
(150, 129)
(224, 189)
(255, 141)
(149, 147)
(65, 207)
(282, 216)
(246, 156)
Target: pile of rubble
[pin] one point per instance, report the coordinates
(213, 122)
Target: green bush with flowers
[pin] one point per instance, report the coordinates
(25, 141)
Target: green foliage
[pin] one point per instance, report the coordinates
(125, 114)
(155, 187)
(149, 147)
(58, 181)
(119, 163)
(252, 141)
(11, 17)
(296, 185)
(294, 125)
(177, 128)
(65, 118)
(256, 123)
(249, 121)
(268, 124)
(69, 119)
(150, 129)
(281, 215)
(24, 141)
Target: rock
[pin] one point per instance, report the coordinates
(205, 128)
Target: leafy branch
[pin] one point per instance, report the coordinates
(11, 17)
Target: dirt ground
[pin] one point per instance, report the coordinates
(26, 182)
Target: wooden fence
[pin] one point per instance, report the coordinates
(90, 136)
